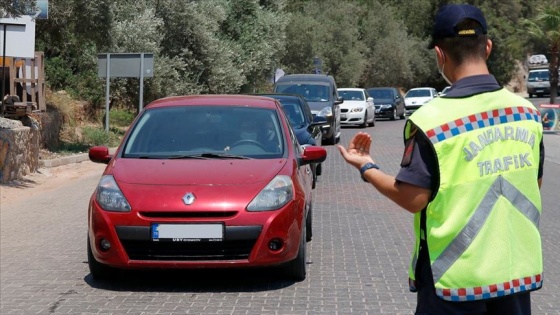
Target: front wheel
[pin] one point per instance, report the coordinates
(296, 269)
(98, 270)
(394, 116)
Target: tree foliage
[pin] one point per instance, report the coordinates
(227, 46)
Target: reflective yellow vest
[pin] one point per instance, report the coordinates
(482, 227)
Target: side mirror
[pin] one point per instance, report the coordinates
(319, 120)
(313, 154)
(100, 154)
(370, 99)
(339, 100)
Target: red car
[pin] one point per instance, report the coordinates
(207, 181)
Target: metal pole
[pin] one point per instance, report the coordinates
(3, 71)
(141, 105)
(107, 81)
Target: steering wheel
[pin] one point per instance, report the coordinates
(248, 141)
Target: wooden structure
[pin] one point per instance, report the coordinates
(25, 78)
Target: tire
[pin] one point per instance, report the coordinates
(296, 269)
(314, 172)
(309, 225)
(394, 116)
(372, 123)
(98, 270)
(364, 124)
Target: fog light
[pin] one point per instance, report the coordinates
(105, 245)
(275, 244)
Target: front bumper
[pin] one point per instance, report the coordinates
(384, 112)
(245, 242)
(352, 118)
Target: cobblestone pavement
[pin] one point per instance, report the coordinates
(357, 260)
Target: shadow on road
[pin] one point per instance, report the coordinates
(194, 280)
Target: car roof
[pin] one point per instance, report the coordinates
(305, 78)
(284, 96)
(422, 88)
(381, 88)
(351, 89)
(215, 100)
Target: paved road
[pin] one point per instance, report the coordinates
(357, 260)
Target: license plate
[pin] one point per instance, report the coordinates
(187, 232)
(343, 116)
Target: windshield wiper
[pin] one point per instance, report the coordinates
(224, 156)
(204, 156)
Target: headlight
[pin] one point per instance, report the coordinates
(356, 110)
(325, 112)
(109, 195)
(275, 195)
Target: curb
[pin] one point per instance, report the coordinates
(64, 160)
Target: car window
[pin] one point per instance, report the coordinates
(381, 94)
(351, 95)
(193, 130)
(310, 92)
(418, 93)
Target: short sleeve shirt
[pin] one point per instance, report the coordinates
(419, 166)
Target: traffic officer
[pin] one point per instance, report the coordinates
(471, 173)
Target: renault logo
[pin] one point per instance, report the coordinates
(189, 198)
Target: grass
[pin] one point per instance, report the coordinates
(83, 127)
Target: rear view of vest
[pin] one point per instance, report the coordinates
(482, 228)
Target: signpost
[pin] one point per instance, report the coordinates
(124, 65)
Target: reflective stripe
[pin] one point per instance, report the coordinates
(491, 291)
(500, 187)
(482, 120)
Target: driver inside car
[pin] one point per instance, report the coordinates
(256, 132)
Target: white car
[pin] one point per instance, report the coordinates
(417, 97)
(357, 108)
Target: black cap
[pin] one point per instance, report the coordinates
(449, 16)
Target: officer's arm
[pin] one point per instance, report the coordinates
(410, 197)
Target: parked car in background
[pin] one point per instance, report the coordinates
(207, 181)
(444, 91)
(417, 97)
(357, 108)
(321, 94)
(306, 126)
(389, 102)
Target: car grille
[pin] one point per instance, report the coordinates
(197, 214)
(344, 110)
(237, 244)
(188, 251)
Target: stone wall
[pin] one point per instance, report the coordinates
(19, 148)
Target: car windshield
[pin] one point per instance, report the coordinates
(310, 92)
(418, 93)
(538, 76)
(380, 94)
(348, 95)
(206, 132)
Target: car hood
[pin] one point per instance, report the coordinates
(317, 106)
(217, 185)
(353, 104)
(416, 100)
(382, 101)
(195, 172)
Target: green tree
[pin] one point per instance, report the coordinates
(545, 26)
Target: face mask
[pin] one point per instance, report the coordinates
(441, 70)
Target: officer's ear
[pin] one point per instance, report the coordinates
(488, 48)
